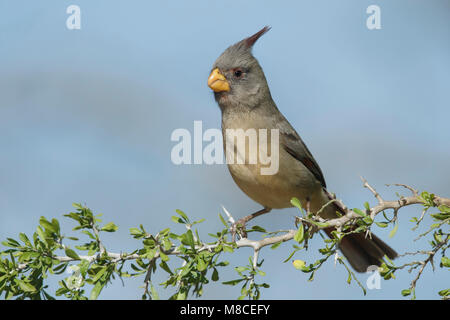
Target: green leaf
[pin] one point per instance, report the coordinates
(154, 293)
(276, 245)
(72, 254)
(444, 293)
(445, 261)
(381, 224)
(215, 275)
(55, 223)
(227, 248)
(110, 227)
(41, 234)
(189, 238)
(406, 292)
(258, 229)
(177, 219)
(166, 268)
(149, 243)
(367, 220)
(319, 224)
(96, 290)
(181, 295)
(336, 235)
(27, 287)
(290, 256)
(440, 216)
(150, 254)
(61, 291)
(25, 239)
(164, 232)
(299, 264)
(163, 256)
(198, 221)
(167, 245)
(89, 234)
(223, 220)
(11, 243)
(201, 265)
(84, 266)
(183, 215)
(135, 268)
(135, 231)
(359, 212)
(25, 256)
(299, 235)
(393, 231)
(99, 274)
(77, 206)
(60, 268)
(240, 269)
(296, 203)
(233, 282)
(47, 225)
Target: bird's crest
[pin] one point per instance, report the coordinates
(250, 41)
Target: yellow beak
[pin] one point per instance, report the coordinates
(217, 81)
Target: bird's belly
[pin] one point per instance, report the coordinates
(275, 191)
(291, 179)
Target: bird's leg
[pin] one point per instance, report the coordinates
(239, 226)
(308, 206)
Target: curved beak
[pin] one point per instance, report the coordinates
(217, 81)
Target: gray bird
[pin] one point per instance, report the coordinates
(241, 90)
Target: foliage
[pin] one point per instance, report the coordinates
(26, 263)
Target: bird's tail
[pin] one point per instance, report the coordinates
(363, 252)
(360, 251)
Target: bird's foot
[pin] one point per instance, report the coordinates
(238, 227)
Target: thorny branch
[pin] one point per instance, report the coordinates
(349, 217)
(423, 263)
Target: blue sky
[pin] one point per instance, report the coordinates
(86, 116)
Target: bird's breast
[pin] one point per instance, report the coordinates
(262, 168)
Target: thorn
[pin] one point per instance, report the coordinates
(230, 217)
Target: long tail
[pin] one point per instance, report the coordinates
(363, 252)
(360, 251)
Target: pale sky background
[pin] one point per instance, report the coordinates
(86, 116)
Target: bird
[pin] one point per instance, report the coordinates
(241, 90)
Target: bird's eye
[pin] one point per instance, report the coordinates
(238, 73)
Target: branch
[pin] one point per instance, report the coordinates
(382, 205)
(350, 217)
(159, 248)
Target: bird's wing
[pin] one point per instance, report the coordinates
(293, 144)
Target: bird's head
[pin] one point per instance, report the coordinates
(236, 77)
